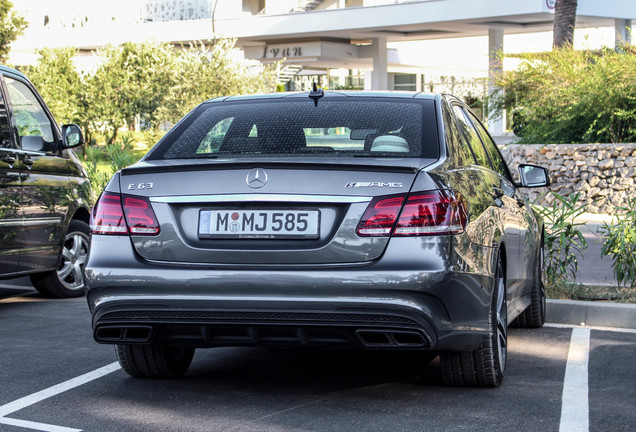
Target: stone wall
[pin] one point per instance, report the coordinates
(604, 174)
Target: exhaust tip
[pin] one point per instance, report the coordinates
(391, 339)
(123, 334)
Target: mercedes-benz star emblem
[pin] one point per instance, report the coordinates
(256, 178)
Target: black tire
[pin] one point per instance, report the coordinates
(68, 280)
(485, 366)
(154, 360)
(534, 315)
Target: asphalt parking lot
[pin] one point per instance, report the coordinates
(54, 377)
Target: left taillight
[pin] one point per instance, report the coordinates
(118, 214)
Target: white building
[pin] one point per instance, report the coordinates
(347, 43)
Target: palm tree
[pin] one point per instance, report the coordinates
(564, 22)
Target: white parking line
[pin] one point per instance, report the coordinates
(35, 426)
(611, 329)
(574, 402)
(34, 398)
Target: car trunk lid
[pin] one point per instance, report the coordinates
(268, 213)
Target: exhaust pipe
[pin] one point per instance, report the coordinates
(123, 334)
(391, 339)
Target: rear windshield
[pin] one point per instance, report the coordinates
(283, 128)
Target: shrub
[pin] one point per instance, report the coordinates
(563, 241)
(101, 162)
(620, 244)
(567, 96)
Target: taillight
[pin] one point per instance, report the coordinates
(424, 213)
(431, 213)
(139, 215)
(380, 216)
(123, 214)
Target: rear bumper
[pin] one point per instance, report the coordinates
(409, 303)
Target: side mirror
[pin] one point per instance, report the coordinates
(533, 176)
(72, 136)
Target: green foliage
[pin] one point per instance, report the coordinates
(205, 71)
(101, 162)
(620, 243)
(59, 84)
(150, 85)
(563, 240)
(98, 178)
(11, 26)
(119, 156)
(130, 84)
(567, 96)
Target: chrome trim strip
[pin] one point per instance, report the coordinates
(106, 300)
(42, 221)
(11, 223)
(22, 152)
(187, 199)
(31, 222)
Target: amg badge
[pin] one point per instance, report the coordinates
(373, 184)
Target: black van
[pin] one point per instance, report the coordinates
(44, 193)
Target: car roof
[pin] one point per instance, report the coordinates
(13, 71)
(329, 94)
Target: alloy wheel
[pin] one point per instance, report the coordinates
(74, 255)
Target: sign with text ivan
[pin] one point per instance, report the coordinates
(301, 50)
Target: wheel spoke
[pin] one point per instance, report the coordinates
(67, 255)
(77, 244)
(77, 274)
(65, 270)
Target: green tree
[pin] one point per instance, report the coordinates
(130, 85)
(207, 70)
(141, 84)
(567, 96)
(11, 26)
(59, 84)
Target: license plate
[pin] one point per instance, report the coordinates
(259, 224)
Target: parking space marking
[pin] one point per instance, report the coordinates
(574, 402)
(34, 398)
(35, 426)
(610, 329)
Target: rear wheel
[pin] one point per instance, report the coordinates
(155, 360)
(485, 366)
(534, 315)
(68, 280)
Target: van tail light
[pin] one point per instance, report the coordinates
(420, 214)
(123, 214)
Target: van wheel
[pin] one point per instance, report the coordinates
(68, 280)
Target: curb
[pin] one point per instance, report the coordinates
(591, 314)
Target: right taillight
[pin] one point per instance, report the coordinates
(123, 214)
(420, 214)
(432, 213)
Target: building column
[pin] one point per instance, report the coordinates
(495, 66)
(623, 31)
(380, 76)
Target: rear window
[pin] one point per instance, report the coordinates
(283, 128)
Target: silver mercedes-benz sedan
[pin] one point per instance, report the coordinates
(378, 221)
